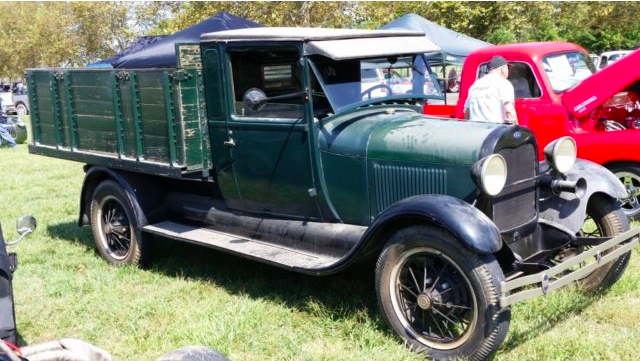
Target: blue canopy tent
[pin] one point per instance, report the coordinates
(162, 53)
(454, 46)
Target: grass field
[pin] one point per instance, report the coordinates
(192, 295)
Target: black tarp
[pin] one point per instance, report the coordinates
(455, 46)
(162, 54)
(136, 45)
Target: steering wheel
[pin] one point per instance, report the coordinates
(383, 86)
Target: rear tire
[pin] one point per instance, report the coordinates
(609, 221)
(439, 297)
(114, 227)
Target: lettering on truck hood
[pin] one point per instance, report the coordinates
(601, 86)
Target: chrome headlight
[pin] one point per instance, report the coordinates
(490, 174)
(561, 154)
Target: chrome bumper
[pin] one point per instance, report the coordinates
(551, 279)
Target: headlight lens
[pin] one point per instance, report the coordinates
(561, 154)
(490, 174)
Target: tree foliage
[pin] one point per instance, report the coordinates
(270, 13)
(74, 33)
(51, 34)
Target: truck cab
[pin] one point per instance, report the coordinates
(273, 144)
(559, 93)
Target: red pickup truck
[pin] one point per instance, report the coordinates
(558, 93)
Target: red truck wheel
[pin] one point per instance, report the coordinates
(629, 175)
(605, 219)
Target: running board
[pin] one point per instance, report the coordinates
(541, 283)
(281, 256)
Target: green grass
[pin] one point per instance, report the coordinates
(246, 310)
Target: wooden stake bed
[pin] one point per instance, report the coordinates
(146, 120)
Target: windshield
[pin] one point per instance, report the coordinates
(350, 83)
(566, 70)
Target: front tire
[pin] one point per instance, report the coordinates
(605, 219)
(439, 297)
(113, 223)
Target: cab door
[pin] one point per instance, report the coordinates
(533, 105)
(268, 146)
(213, 71)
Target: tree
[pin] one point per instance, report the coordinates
(51, 34)
(293, 13)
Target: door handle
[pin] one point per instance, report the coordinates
(229, 143)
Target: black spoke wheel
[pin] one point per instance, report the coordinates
(434, 299)
(604, 219)
(114, 228)
(441, 298)
(113, 223)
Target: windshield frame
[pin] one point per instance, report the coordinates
(413, 97)
(588, 62)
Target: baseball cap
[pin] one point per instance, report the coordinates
(496, 62)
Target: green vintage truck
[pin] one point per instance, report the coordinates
(306, 149)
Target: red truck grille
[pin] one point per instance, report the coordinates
(517, 205)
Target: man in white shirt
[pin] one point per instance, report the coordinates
(491, 97)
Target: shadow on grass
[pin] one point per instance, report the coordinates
(347, 294)
(344, 295)
(70, 231)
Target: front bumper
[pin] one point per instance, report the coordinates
(544, 282)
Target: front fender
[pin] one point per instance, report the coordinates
(566, 211)
(468, 224)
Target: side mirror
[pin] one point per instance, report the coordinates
(254, 99)
(26, 224)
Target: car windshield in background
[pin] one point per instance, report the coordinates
(350, 83)
(566, 70)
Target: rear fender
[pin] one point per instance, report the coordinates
(566, 211)
(468, 224)
(144, 195)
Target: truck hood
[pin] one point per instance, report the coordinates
(599, 87)
(406, 136)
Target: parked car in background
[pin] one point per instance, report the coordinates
(7, 102)
(19, 97)
(21, 103)
(609, 57)
(595, 59)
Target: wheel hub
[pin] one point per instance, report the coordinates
(424, 302)
(631, 204)
(115, 229)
